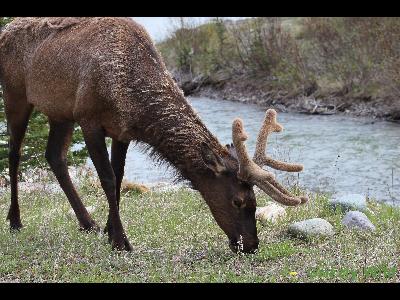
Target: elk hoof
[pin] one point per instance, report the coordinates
(91, 226)
(15, 226)
(122, 245)
(15, 220)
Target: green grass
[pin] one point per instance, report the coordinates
(176, 239)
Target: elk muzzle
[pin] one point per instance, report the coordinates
(244, 245)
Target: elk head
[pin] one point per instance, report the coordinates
(233, 202)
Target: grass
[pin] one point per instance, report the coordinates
(176, 239)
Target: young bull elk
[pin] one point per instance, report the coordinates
(106, 75)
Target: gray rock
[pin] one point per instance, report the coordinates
(349, 202)
(316, 227)
(357, 220)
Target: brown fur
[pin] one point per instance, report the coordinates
(106, 75)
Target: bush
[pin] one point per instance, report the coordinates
(259, 47)
(347, 54)
(353, 52)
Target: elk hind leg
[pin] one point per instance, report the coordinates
(17, 117)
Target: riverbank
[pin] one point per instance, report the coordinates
(324, 65)
(176, 239)
(308, 100)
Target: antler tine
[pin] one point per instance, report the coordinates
(246, 164)
(278, 192)
(249, 171)
(280, 188)
(260, 157)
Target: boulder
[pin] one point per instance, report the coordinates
(316, 227)
(270, 213)
(357, 220)
(349, 202)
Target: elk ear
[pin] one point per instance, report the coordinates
(212, 160)
(232, 150)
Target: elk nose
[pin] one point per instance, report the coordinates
(251, 248)
(246, 247)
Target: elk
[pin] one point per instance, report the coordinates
(106, 75)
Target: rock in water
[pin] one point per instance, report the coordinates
(316, 227)
(271, 213)
(349, 202)
(357, 220)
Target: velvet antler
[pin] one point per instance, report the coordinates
(251, 170)
(260, 157)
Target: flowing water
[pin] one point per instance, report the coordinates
(339, 153)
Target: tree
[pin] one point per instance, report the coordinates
(4, 21)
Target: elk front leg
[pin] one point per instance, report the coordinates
(56, 154)
(118, 156)
(95, 141)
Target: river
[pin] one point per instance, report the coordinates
(339, 153)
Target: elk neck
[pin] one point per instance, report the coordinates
(175, 133)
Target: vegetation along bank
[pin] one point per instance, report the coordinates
(310, 65)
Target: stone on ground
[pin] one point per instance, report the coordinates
(270, 213)
(310, 228)
(357, 220)
(349, 202)
(133, 187)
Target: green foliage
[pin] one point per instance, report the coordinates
(197, 49)
(4, 21)
(277, 250)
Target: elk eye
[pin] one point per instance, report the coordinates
(239, 203)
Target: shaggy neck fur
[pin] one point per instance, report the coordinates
(176, 134)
